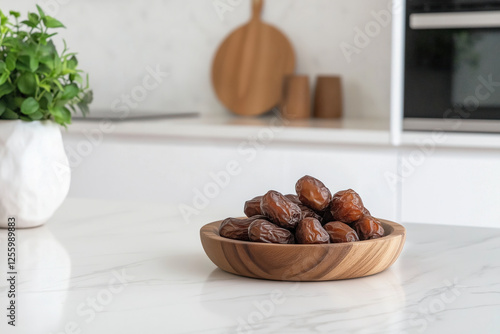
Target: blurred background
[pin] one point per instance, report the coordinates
(155, 58)
(118, 40)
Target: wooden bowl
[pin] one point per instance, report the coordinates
(323, 262)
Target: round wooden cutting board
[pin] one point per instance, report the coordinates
(250, 65)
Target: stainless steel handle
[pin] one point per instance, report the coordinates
(455, 20)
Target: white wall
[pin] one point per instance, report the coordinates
(118, 39)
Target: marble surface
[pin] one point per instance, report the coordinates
(118, 267)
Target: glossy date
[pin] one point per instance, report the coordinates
(234, 228)
(280, 210)
(263, 231)
(313, 193)
(340, 232)
(252, 207)
(310, 231)
(347, 206)
(368, 228)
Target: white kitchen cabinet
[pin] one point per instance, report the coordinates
(197, 173)
(451, 186)
(204, 164)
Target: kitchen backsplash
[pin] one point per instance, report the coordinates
(156, 55)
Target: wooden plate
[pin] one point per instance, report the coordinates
(304, 262)
(249, 67)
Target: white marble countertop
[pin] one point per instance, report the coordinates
(106, 267)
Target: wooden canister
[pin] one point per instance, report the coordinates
(296, 99)
(328, 97)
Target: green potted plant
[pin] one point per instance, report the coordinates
(39, 90)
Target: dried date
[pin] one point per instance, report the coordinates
(234, 228)
(313, 193)
(368, 228)
(310, 231)
(340, 232)
(293, 198)
(306, 211)
(347, 206)
(252, 207)
(280, 210)
(263, 231)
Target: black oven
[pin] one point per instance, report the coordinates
(452, 65)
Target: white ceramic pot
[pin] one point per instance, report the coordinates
(34, 172)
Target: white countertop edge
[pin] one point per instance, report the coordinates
(451, 140)
(367, 132)
(353, 132)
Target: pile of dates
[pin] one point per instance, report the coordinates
(312, 216)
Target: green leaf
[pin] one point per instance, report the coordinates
(36, 36)
(44, 69)
(3, 19)
(47, 50)
(29, 106)
(70, 91)
(9, 100)
(27, 83)
(29, 23)
(58, 84)
(22, 64)
(22, 67)
(5, 89)
(37, 115)
(18, 101)
(44, 86)
(4, 77)
(3, 67)
(45, 101)
(88, 97)
(9, 114)
(3, 30)
(22, 34)
(34, 63)
(40, 11)
(10, 61)
(33, 18)
(51, 22)
(57, 64)
(15, 14)
(72, 63)
(61, 115)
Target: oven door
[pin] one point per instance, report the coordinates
(452, 71)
